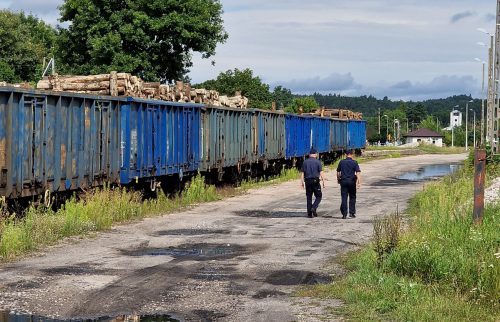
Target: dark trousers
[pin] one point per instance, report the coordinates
(313, 187)
(348, 189)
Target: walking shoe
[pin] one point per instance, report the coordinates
(309, 214)
(352, 215)
(314, 213)
(344, 217)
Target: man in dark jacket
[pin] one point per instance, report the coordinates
(349, 178)
(312, 172)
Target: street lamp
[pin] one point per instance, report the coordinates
(397, 131)
(466, 125)
(474, 128)
(386, 128)
(491, 83)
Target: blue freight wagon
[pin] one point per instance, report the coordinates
(228, 138)
(356, 133)
(320, 133)
(298, 135)
(270, 131)
(159, 138)
(338, 135)
(56, 141)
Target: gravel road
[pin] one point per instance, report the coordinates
(238, 259)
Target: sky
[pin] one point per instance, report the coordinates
(403, 49)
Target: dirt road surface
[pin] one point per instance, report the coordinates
(238, 259)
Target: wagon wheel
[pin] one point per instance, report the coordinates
(47, 200)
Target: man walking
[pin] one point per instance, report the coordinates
(349, 178)
(311, 173)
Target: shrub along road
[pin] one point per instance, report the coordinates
(238, 259)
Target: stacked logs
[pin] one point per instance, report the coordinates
(338, 114)
(124, 84)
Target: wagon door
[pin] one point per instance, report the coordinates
(36, 107)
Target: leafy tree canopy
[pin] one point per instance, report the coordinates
(283, 97)
(243, 81)
(24, 43)
(150, 38)
(307, 103)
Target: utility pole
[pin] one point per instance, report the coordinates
(495, 113)
(379, 121)
(491, 95)
(482, 109)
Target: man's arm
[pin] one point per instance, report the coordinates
(339, 173)
(302, 179)
(358, 175)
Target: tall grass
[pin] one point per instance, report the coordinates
(96, 211)
(444, 246)
(442, 268)
(285, 175)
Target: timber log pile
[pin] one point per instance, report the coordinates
(124, 84)
(338, 114)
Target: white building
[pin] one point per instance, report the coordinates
(424, 136)
(455, 119)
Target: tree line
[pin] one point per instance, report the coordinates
(153, 39)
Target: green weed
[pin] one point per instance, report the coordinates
(442, 268)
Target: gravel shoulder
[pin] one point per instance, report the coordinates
(238, 259)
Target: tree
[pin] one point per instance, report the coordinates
(430, 123)
(308, 104)
(282, 96)
(243, 81)
(416, 114)
(150, 38)
(24, 43)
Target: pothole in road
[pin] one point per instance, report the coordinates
(74, 270)
(209, 316)
(11, 316)
(197, 252)
(270, 214)
(305, 253)
(264, 294)
(192, 232)
(215, 274)
(296, 277)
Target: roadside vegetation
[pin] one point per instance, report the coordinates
(96, 211)
(101, 209)
(441, 267)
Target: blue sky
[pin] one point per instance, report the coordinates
(404, 49)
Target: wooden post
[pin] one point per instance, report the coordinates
(479, 178)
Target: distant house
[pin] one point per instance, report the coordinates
(424, 136)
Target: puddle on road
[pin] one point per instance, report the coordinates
(296, 277)
(430, 172)
(14, 317)
(192, 232)
(198, 252)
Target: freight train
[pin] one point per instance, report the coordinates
(59, 142)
